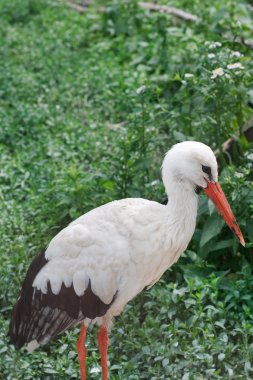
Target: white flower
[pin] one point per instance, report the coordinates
(239, 175)
(140, 90)
(188, 75)
(234, 66)
(236, 54)
(217, 73)
(227, 76)
(213, 45)
(250, 156)
(211, 55)
(95, 370)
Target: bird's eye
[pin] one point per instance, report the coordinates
(207, 170)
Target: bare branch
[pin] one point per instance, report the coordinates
(171, 10)
(150, 6)
(227, 146)
(247, 43)
(83, 7)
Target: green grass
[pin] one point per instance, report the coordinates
(75, 133)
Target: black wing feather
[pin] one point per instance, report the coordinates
(38, 316)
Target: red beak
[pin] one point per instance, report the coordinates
(215, 193)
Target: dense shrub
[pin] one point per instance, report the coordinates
(89, 104)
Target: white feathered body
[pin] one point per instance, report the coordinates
(120, 247)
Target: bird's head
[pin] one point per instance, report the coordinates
(193, 165)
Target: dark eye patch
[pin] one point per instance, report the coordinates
(207, 170)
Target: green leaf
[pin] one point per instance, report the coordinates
(222, 244)
(50, 370)
(179, 136)
(165, 362)
(212, 228)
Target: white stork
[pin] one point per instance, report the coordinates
(103, 259)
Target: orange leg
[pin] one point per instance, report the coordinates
(82, 352)
(103, 343)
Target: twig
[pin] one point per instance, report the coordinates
(77, 7)
(83, 7)
(171, 10)
(247, 130)
(247, 43)
(150, 6)
(239, 39)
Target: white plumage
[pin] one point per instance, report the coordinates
(123, 246)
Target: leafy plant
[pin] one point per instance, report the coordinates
(89, 104)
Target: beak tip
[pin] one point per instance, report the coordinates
(242, 241)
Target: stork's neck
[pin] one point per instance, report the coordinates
(177, 228)
(182, 201)
(182, 210)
